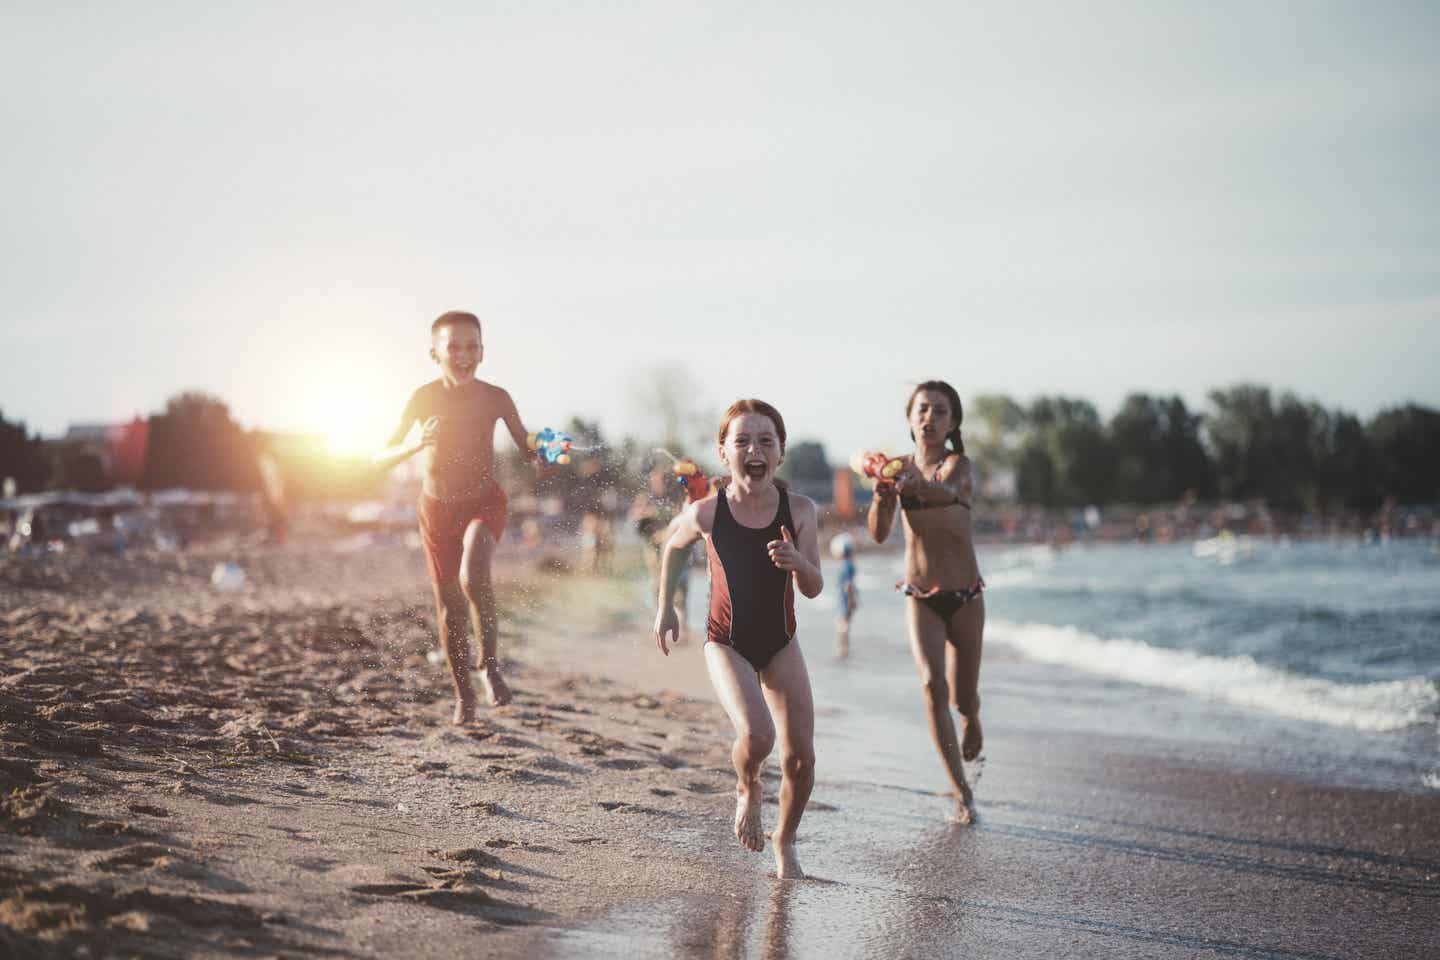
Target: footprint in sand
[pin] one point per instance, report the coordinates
(466, 855)
(620, 763)
(454, 894)
(522, 775)
(621, 806)
(140, 856)
(489, 807)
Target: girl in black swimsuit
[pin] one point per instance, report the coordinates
(761, 543)
(946, 612)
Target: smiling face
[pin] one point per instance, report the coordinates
(752, 450)
(931, 417)
(458, 350)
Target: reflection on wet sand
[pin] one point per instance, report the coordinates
(777, 931)
(736, 927)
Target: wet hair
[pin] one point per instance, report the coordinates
(750, 405)
(453, 318)
(940, 386)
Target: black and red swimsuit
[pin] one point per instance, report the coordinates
(752, 601)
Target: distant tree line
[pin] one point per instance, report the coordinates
(194, 443)
(1248, 444)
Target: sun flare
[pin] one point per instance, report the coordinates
(350, 423)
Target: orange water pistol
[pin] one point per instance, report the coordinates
(878, 467)
(693, 479)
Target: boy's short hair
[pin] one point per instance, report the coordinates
(453, 318)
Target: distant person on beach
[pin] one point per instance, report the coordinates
(761, 542)
(946, 607)
(461, 508)
(842, 547)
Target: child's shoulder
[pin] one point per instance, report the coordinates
(704, 510)
(492, 391)
(800, 504)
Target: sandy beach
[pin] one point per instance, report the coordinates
(273, 773)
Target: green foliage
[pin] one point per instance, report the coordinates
(195, 444)
(1158, 454)
(22, 456)
(807, 470)
(1067, 459)
(1035, 474)
(1407, 445)
(994, 430)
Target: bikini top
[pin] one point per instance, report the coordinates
(915, 503)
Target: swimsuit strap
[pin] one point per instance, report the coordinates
(722, 509)
(787, 522)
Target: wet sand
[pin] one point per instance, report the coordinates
(272, 773)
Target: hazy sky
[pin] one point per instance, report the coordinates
(817, 204)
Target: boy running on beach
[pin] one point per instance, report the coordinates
(461, 508)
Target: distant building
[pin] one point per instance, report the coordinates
(102, 455)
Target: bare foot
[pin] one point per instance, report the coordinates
(464, 712)
(497, 694)
(972, 740)
(964, 809)
(747, 817)
(787, 865)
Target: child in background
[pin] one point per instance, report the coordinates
(842, 547)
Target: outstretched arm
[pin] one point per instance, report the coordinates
(511, 416)
(519, 434)
(685, 530)
(952, 481)
(881, 519)
(397, 450)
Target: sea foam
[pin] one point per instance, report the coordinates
(1378, 706)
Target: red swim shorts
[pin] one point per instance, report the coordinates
(443, 524)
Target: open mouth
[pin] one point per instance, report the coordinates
(756, 469)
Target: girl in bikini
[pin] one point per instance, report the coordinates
(946, 609)
(761, 543)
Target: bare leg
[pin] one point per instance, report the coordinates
(844, 638)
(927, 646)
(475, 579)
(738, 688)
(450, 611)
(786, 684)
(966, 632)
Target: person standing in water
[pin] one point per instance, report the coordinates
(761, 543)
(946, 607)
(461, 508)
